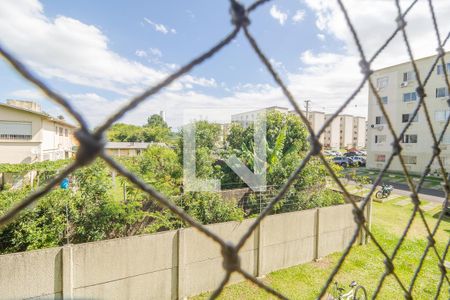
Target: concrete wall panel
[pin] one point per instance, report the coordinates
(202, 256)
(31, 274)
(154, 257)
(336, 227)
(288, 240)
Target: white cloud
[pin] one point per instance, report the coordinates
(321, 36)
(278, 15)
(141, 53)
(299, 16)
(155, 52)
(67, 49)
(160, 27)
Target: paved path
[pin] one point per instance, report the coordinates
(402, 189)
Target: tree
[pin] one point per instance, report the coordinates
(156, 120)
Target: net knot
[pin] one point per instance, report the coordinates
(396, 148)
(365, 67)
(448, 101)
(431, 241)
(436, 150)
(440, 50)
(389, 266)
(359, 216)
(401, 23)
(231, 260)
(238, 13)
(408, 296)
(414, 199)
(316, 146)
(90, 147)
(421, 92)
(443, 269)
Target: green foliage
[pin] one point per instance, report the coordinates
(208, 208)
(156, 130)
(156, 121)
(47, 166)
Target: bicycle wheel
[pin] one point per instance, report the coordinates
(360, 293)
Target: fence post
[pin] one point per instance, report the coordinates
(259, 253)
(181, 293)
(316, 233)
(67, 272)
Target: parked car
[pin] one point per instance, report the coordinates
(358, 161)
(328, 153)
(362, 153)
(343, 161)
(351, 153)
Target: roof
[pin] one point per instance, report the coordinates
(127, 145)
(409, 61)
(41, 114)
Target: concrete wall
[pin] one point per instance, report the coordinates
(33, 274)
(173, 264)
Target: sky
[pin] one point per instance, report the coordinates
(101, 53)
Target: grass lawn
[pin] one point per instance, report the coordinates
(364, 263)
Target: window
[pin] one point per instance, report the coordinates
(408, 97)
(15, 130)
(441, 92)
(66, 132)
(382, 82)
(408, 76)
(410, 160)
(441, 115)
(380, 120)
(446, 139)
(440, 69)
(384, 99)
(60, 131)
(407, 117)
(410, 139)
(380, 139)
(380, 158)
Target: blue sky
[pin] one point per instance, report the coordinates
(100, 53)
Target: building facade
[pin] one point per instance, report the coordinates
(249, 117)
(396, 86)
(126, 149)
(28, 135)
(332, 135)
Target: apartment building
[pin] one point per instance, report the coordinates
(29, 135)
(332, 135)
(247, 118)
(316, 120)
(359, 132)
(396, 86)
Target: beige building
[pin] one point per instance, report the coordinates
(247, 118)
(29, 135)
(332, 135)
(316, 119)
(126, 149)
(396, 86)
(344, 132)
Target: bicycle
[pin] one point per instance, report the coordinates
(357, 292)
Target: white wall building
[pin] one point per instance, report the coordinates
(28, 135)
(247, 118)
(332, 135)
(396, 86)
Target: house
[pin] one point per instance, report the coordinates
(396, 86)
(29, 135)
(126, 149)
